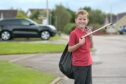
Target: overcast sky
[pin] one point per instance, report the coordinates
(114, 6)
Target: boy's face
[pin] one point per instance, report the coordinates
(81, 21)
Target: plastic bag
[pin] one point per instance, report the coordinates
(65, 63)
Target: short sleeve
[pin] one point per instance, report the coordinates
(72, 39)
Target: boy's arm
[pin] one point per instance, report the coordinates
(76, 46)
(73, 48)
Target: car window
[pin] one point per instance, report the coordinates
(10, 22)
(18, 22)
(2, 22)
(25, 22)
(32, 22)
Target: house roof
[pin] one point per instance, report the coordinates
(120, 15)
(114, 18)
(111, 19)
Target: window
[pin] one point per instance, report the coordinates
(10, 22)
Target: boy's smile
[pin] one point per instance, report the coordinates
(81, 21)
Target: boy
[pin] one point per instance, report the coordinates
(80, 48)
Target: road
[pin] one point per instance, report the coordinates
(109, 61)
(112, 52)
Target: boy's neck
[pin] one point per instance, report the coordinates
(83, 29)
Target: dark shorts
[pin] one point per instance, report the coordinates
(82, 74)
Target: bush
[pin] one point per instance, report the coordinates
(69, 27)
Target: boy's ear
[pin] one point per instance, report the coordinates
(88, 20)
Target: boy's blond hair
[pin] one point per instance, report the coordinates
(82, 12)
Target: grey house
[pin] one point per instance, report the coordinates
(8, 14)
(121, 22)
(114, 18)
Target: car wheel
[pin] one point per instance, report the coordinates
(45, 35)
(5, 35)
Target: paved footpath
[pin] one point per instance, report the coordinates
(109, 61)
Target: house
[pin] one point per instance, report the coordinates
(110, 19)
(121, 22)
(118, 21)
(42, 15)
(120, 15)
(8, 13)
(41, 11)
(114, 18)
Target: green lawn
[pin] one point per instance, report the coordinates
(15, 74)
(28, 48)
(56, 37)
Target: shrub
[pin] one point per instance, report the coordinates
(69, 27)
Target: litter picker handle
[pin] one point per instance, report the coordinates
(97, 30)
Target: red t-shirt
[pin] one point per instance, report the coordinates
(81, 56)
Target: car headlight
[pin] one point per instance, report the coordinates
(52, 27)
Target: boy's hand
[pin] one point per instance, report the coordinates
(89, 31)
(81, 41)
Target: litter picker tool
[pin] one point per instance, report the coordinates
(97, 30)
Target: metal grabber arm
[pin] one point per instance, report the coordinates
(97, 30)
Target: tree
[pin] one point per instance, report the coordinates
(35, 16)
(72, 13)
(96, 17)
(62, 17)
(21, 14)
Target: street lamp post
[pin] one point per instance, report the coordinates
(47, 12)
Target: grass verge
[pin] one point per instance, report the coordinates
(29, 48)
(14, 74)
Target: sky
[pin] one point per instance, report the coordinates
(107, 6)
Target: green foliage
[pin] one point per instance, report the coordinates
(69, 27)
(38, 15)
(21, 14)
(53, 18)
(35, 16)
(96, 17)
(15, 74)
(72, 13)
(87, 8)
(62, 17)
